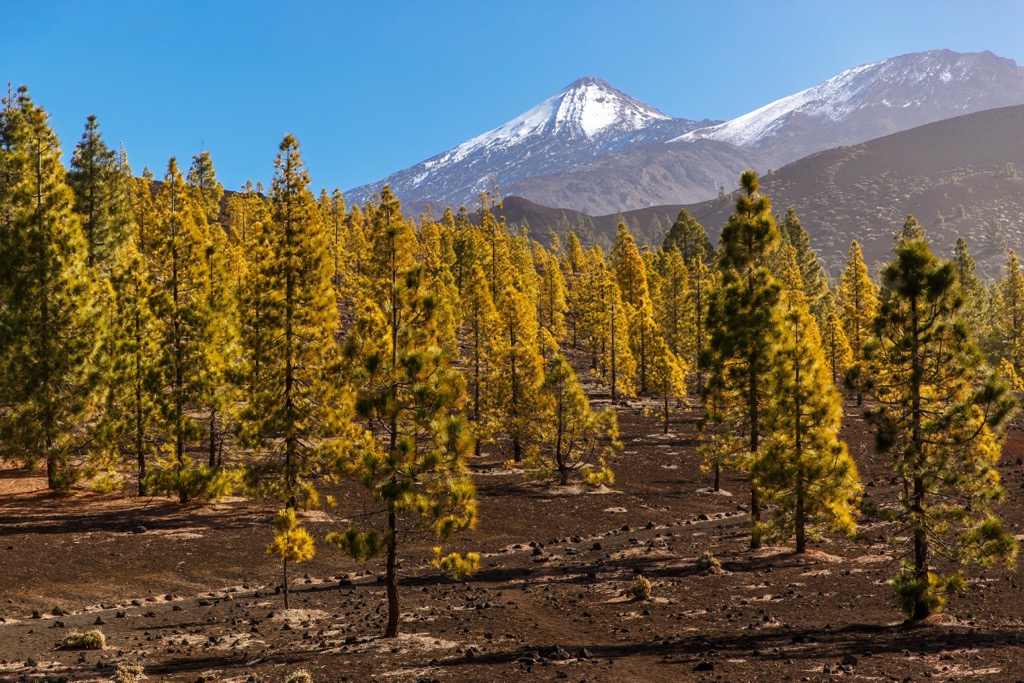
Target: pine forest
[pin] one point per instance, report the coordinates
(442, 425)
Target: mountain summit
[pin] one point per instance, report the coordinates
(587, 119)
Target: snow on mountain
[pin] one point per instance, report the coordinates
(872, 100)
(593, 146)
(587, 119)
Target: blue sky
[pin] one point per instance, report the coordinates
(370, 88)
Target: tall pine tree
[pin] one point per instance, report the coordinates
(48, 321)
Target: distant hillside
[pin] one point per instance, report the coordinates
(959, 177)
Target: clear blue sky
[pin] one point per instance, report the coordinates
(370, 88)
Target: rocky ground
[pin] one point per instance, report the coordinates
(188, 592)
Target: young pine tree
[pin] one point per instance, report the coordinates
(410, 398)
(480, 327)
(857, 299)
(292, 543)
(744, 336)
(577, 439)
(939, 415)
(519, 372)
(294, 402)
(805, 469)
(179, 303)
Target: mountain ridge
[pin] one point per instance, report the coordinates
(593, 146)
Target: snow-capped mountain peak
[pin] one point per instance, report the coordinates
(584, 109)
(908, 90)
(587, 119)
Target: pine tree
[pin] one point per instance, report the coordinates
(976, 312)
(812, 275)
(688, 236)
(857, 298)
(436, 262)
(204, 188)
(577, 439)
(604, 326)
(1010, 317)
(180, 303)
(805, 469)
(480, 321)
(48, 322)
(131, 427)
(911, 230)
(99, 186)
(410, 397)
(837, 349)
(292, 543)
(938, 416)
(744, 330)
(668, 375)
(294, 402)
(574, 263)
(519, 372)
(631, 276)
(675, 316)
(551, 303)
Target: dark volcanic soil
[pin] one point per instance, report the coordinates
(189, 593)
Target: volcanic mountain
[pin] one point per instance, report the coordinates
(592, 147)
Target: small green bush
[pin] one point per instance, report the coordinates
(128, 673)
(90, 640)
(640, 588)
(300, 676)
(707, 562)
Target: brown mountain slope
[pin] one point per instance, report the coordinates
(959, 177)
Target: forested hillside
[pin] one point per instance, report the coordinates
(157, 335)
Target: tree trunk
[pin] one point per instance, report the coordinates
(666, 413)
(392, 577)
(285, 583)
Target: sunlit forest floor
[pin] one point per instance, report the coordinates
(189, 592)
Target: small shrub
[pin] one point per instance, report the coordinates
(912, 590)
(105, 483)
(708, 562)
(90, 640)
(300, 676)
(640, 588)
(127, 673)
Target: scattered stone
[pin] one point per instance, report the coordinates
(139, 530)
(99, 622)
(705, 666)
(36, 614)
(849, 660)
(597, 545)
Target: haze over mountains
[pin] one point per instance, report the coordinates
(593, 147)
